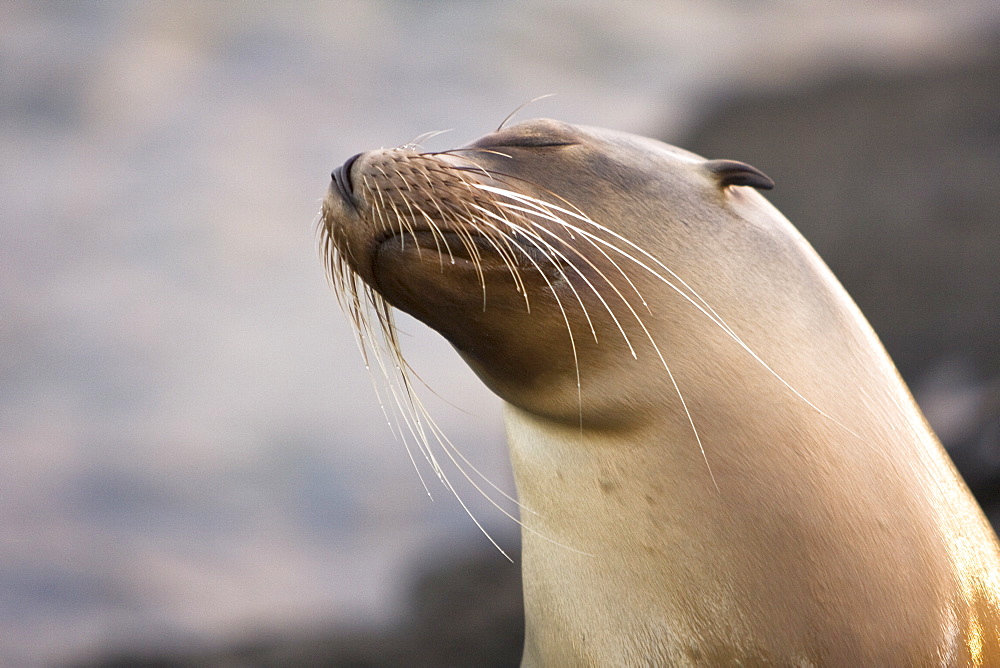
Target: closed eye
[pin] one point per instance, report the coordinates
(529, 141)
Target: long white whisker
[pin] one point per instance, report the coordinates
(711, 314)
(673, 380)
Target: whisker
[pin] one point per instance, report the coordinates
(546, 252)
(522, 106)
(469, 149)
(421, 138)
(375, 329)
(526, 234)
(707, 311)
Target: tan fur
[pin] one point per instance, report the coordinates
(755, 486)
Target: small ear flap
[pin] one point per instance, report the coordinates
(733, 173)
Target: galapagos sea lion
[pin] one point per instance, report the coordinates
(722, 465)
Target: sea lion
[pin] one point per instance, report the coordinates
(722, 465)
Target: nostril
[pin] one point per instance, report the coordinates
(347, 171)
(342, 178)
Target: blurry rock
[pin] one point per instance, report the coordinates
(464, 612)
(892, 177)
(467, 613)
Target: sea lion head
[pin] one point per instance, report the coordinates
(534, 250)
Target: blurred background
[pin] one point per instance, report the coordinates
(194, 469)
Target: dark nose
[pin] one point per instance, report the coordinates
(342, 178)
